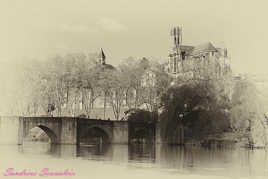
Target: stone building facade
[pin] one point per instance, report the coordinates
(196, 61)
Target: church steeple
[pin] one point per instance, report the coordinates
(102, 61)
(102, 58)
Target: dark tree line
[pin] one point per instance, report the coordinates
(214, 106)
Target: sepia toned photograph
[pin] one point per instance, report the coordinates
(133, 89)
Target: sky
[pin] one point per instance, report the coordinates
(40, 29)
(140, 28)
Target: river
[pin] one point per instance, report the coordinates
(135, 161)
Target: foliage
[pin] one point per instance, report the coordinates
(52, 81)
(140, 115)
(247, 114)
(202, 106)
(132, 72)
(76, 81)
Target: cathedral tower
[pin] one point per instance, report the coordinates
(175, 55)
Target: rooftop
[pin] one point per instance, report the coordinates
(196, 50)
(206, 47)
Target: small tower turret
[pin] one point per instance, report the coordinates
(102, 57)
(175, 60)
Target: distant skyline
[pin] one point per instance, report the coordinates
(123, 28)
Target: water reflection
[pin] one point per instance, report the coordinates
(95, 152)
(224, 161)
(141, 152)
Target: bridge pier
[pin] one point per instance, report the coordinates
(68, 131)
(120, 132)
(20, 131)
(158, 139)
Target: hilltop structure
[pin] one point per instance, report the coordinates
(192, 61)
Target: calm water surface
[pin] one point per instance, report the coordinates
(104, 160)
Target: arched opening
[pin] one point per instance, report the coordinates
(50, 133)
(41, 134)
(141, 135)
(141, 132)
(95, 135)
(40, 140)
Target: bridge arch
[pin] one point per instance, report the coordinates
(49, 132)
(141, 133)
(96, 134)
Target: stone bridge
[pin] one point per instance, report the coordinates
(73, 130)
(69, 130)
